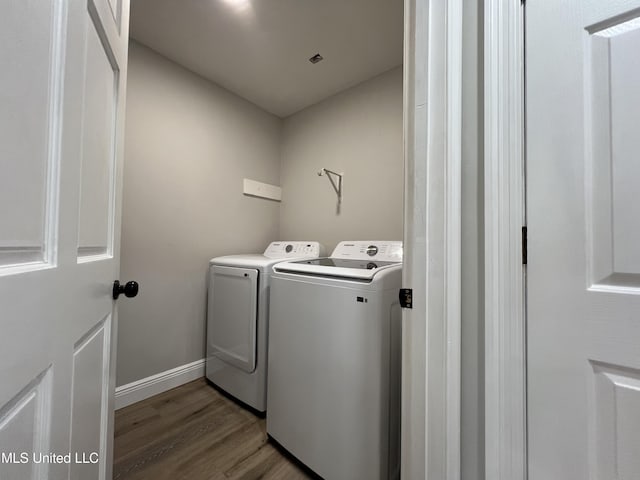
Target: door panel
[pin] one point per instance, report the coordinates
(616, 408)
(98, 154)
(89, 399)
(612, 98)
(583, 275)
(25, 428)
(233, 315)
(30, 134)
(115, 6)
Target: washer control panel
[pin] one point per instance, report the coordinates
(294, 249)
(383, 250)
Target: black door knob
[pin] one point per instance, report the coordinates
(130, 289)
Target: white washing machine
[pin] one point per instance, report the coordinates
(334, 361)
(237, 319)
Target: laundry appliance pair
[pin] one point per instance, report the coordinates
(333, 383)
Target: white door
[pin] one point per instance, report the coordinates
(62, 88)
(583, 207)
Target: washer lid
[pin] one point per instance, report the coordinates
(360, 260)
(337, 267)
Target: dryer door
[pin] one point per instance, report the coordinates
(232, 315)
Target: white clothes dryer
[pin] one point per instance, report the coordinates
(334, 360)
(237, 319)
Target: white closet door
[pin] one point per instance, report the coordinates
(583, 272)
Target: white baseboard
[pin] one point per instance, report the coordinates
(161, 382)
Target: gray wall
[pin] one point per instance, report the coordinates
(189, 144)
(358, 132)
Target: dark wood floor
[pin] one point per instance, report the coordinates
(194, 433)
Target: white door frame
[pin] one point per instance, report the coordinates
(432, 236)
(505, 315)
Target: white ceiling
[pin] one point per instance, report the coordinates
(259, 49)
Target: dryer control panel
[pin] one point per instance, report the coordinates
(295, 249)
(383, 250)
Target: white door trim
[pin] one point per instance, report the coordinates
(505, 321)
(432, 236)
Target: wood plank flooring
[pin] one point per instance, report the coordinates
(195, 433)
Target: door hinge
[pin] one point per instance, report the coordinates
(524, 245)
(406, 297)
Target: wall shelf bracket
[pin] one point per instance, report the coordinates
(336, 182)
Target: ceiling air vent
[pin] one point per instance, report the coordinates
(316, 58)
